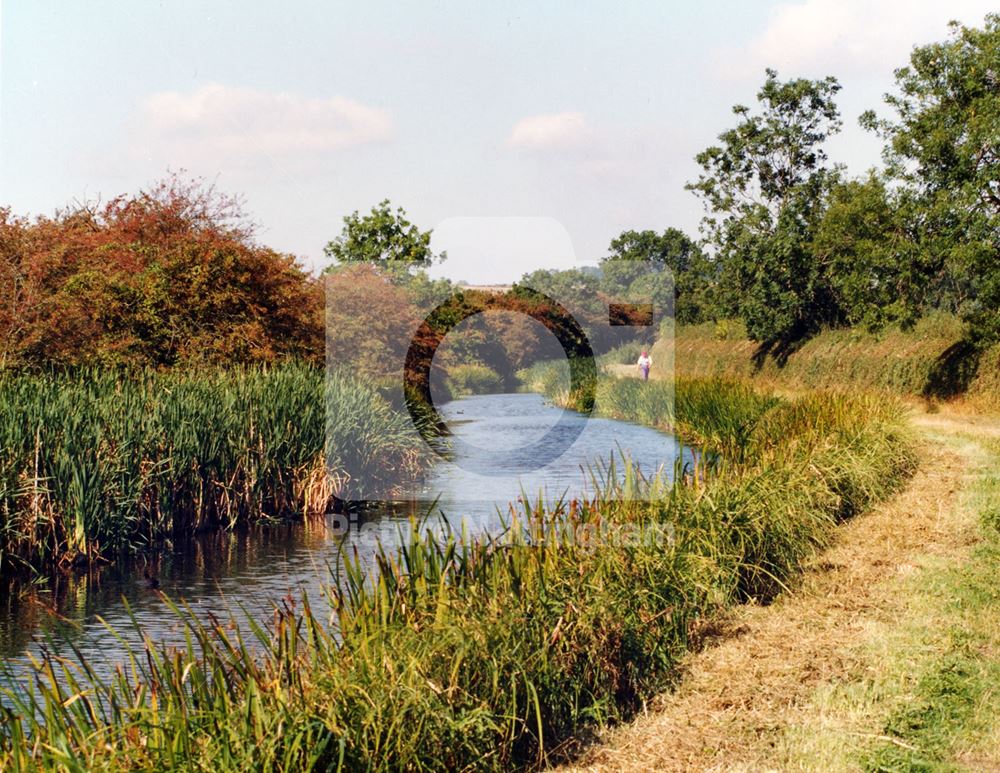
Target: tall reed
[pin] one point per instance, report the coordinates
(102, 462)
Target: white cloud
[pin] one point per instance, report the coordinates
(570, 143)
(233, 126)
(845, 37)
(633, 175)
(552, 132)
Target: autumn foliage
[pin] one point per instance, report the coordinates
(165, 277)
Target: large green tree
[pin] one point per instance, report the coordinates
(764, 187)
(865, 245)
(943, 146)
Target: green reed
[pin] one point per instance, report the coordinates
(461, 654)
(103, 462)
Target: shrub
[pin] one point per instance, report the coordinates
(626, 354)
(168, 276)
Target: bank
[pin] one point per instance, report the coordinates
(885, 655)
(932, 362)
(496, 654)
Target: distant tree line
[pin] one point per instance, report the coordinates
(791, 244)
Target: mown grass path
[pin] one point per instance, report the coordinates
(885, 657)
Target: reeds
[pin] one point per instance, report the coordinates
(456, 654)
(102, 462)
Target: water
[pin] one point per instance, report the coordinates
(252, 570)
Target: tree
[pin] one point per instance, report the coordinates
(672, 249)
(370, 325)
(382, 236)
(865, 245)
(764, 188)
(943, 145)
(691, 275)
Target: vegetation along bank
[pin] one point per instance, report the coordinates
(492, 655)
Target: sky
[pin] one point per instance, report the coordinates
(525, 134)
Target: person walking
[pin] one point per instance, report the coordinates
(644, 363)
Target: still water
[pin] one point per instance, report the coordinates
(506, 451)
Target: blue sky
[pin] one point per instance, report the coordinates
(526, 133)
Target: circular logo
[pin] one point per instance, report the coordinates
(416, 378)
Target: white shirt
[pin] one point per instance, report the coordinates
(645, 362)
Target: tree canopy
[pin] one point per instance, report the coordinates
(690, 274)
(382, 236)
(763, 187)
(943, 148)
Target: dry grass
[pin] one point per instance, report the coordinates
(764, 694)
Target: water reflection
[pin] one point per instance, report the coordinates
(248, 571)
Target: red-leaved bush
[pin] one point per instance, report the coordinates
(165, 277)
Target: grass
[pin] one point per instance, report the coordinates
(887, 659)
(569, 382)
(460, 654)
(717, 414)
(550, 377)
(101, 463)
(930, 362)
(624, 354)
(924, 693)
(943, 714)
